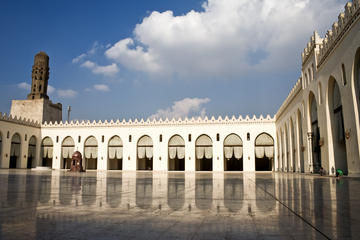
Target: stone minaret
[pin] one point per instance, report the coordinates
(40, 77)
(38, 106)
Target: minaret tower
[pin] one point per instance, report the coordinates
(40, 77)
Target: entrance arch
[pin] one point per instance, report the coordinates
(176, 156)
(31, 152)
(337, 126)
(293, 147)
(15, 155)
(47, 152)
(67, 149)
(264, 152)
(91, 153)
(115, 153)
(233, 153)
(300, 141)
(204, 154)
(315, 131)
(145, 153)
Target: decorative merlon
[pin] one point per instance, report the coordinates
(18, 120)
(334, 35)
(159, 122)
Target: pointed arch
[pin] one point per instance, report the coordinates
(314, 129)
(145, 153)
(47, 152)
(204, 153)
(91, 153)
(67, 150)
(115, 153)
(31, 156)
(233, 153)
(264, 152)
(15, 151)
(176, 153)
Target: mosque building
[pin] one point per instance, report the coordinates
(317, 126)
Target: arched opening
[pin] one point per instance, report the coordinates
(176, 156)
(293, 147)
(282, 151)
(67, 149)
(115, 153)
(287, 144)
(264, 152)
(15, 154)
(204, 154)
(31, 153)
(337, 126)
(356, 91)
(315, 130)
(145, 153)
(47, 152)
(176, 191)
(300, 141)
(233, 153)
(91, 153)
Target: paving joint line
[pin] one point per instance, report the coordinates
(295, 213)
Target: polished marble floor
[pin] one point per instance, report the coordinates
(150, 205)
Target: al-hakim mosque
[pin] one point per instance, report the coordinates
(201, 178)
(317, 126)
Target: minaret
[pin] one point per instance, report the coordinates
(40, 77)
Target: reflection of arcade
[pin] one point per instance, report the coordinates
(204, 191)
(176, 192)
(233, 193)
(144, 189)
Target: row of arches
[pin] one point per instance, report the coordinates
(232, 147)
(332, 130)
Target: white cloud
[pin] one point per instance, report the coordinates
(66, 93)
(51, 89)
(101, 87)
(188, 107)
(109, 70)
(24, 85)
(226, 38)
(94, 48)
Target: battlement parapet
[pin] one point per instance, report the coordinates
(161, 122)
(18, 120)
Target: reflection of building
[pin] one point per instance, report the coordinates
(317, 125)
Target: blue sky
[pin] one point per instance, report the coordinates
(160, 58)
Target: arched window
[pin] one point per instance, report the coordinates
(47, 152)
(145, 153)
(31, 152)
(15, 155)
(115, 153)
(233, 153)
(204, 154)
(176, 157)
(264, 152)
(67, 149)
(91, 153)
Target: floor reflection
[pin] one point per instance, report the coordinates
(43, 202)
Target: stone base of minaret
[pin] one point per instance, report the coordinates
(39, 110)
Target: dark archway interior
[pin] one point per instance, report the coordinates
(115, 164)
(145, 164)
(234, 164)
(263, 164)
(204, 164)
(47, 162)
(13, 160)
(177, 164)
(29, 162)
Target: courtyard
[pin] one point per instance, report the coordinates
(176, 205)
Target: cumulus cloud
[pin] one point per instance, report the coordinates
(188, 107)
(101, 87)
(66, 93)
(109, 70)
(225, 38)
(24, 85)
